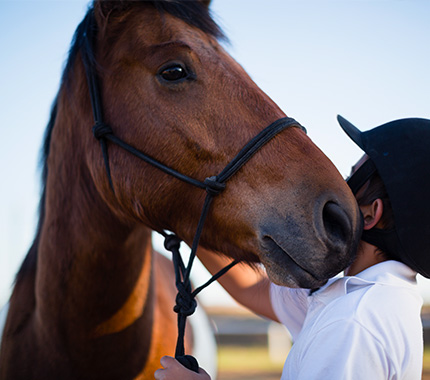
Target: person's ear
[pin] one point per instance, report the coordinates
(372, 213)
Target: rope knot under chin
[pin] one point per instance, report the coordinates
(101, 129)
(185, 302)
(213, 187)
(172, 242)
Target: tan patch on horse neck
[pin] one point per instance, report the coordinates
(133, 307)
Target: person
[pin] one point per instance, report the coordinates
(365, 324)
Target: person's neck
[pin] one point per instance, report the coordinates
(367, 256)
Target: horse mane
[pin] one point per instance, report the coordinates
(195, 13)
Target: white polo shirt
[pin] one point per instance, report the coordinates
(363, 327)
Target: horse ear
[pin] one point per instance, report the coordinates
(206, 3)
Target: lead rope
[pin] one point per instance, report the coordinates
(185, 299)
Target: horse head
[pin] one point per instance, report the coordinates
(170, 89)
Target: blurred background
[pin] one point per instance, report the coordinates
(368, 60)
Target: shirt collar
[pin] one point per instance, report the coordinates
(388, 272)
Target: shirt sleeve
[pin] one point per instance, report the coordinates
(344, 350)
(290, 306)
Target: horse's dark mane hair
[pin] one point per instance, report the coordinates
(195, 13)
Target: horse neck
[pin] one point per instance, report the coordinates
(94, 268)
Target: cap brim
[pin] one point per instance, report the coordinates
(353, 132)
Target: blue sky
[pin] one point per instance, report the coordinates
(368, 60)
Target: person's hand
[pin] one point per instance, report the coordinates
(173, 370)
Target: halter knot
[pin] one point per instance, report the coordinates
(185, 302)
(101, 129)
(172, 242)
(213, 187)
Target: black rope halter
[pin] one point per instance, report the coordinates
(214, 185)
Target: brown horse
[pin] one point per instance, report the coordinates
(92, 300)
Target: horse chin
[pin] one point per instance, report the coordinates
(298, 280)
(284, 269)
(291, 275)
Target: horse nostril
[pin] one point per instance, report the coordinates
(336, 223)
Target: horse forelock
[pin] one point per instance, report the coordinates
(195, 13)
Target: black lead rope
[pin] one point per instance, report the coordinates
(185, 299)
(186, 303)
(214, 185)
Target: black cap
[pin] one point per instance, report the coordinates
(400, 151)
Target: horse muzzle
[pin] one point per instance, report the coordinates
(305, 253)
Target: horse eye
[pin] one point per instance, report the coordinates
(173, 73)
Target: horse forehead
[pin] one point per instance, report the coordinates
(148, 27)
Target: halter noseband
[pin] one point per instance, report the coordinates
(214, 185)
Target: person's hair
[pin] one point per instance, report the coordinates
(374, 189)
